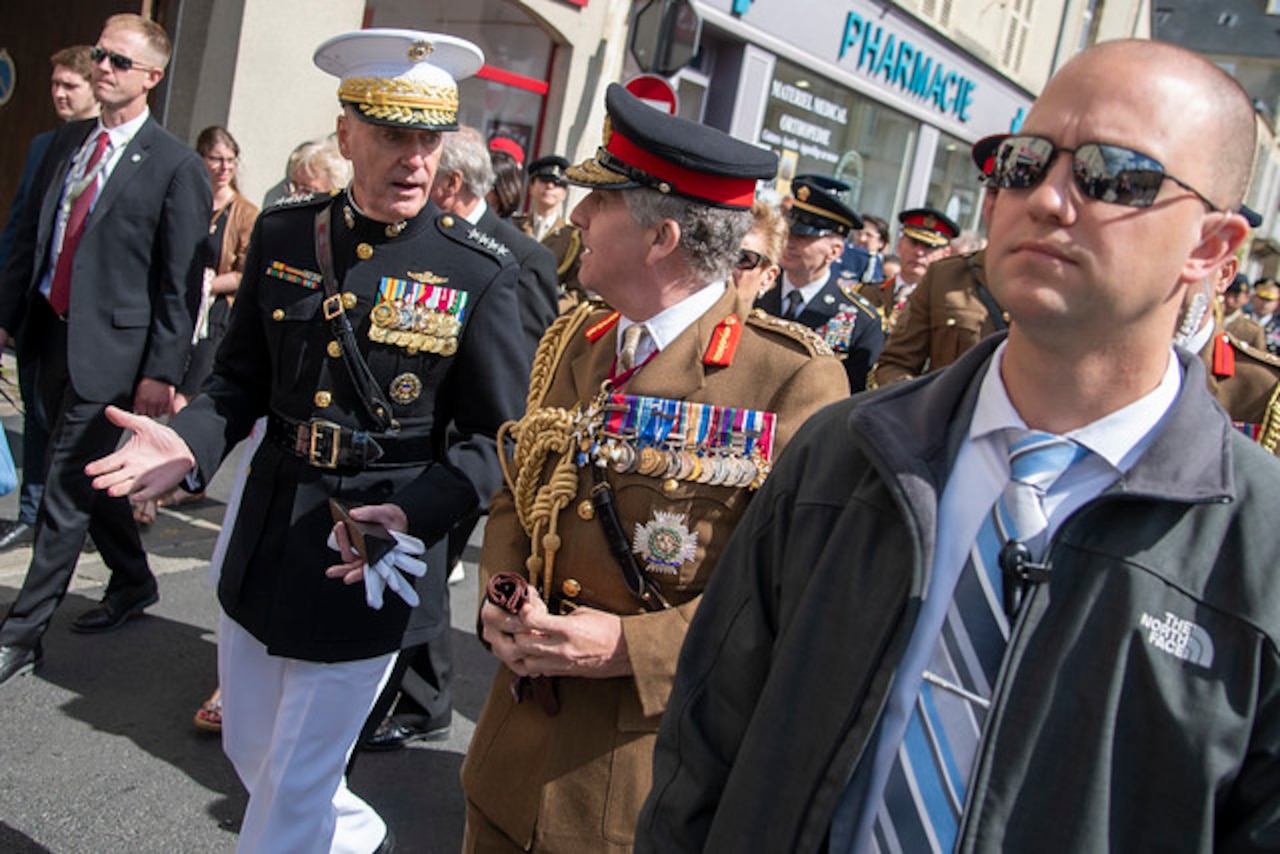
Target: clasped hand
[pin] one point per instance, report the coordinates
(386, 572)
(535, 642)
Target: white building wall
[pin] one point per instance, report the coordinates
(279, 98)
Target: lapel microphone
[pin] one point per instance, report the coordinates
(1018, 572)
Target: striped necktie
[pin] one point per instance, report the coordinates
(925, 793)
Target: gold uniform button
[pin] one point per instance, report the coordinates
(335, 349)
(278, 314)
(1004, 315)
(951, 321)
(670, 485)
(570, 588)
(364, 250)
(446, 221)
(323, 399)
(349, 300)
(586, 511)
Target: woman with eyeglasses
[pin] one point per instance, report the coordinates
(757, 268)
(230, 224)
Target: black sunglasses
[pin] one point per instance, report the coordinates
(1103, 172)
(749, 259)
(119, 61)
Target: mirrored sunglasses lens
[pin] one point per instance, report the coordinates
(1021, 161)
(1120, 176)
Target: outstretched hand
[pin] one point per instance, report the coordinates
(151, 463)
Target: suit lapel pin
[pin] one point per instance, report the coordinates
(828, 299)
(136, 158)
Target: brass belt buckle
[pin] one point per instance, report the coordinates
(318, 455)
(332, 306)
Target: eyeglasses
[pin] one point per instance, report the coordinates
(119, 61)
(220, 161)
(749, 259)
(1103, 172)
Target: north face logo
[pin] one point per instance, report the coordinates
(1180, 638)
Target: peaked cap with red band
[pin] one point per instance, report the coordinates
(928, 226)
(646, 147)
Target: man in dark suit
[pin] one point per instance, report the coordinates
(100, 291)
(72, 90)
(810, 293)
(418, 693)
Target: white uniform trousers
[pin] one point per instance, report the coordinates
(288, 727)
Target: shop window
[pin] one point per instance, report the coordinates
(817, 127)
(954, 187)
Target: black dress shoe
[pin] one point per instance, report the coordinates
(112, 612)
(391, 734)
(16, 660)
(18, 534)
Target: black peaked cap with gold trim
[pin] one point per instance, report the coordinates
(646, 147)
(818, 208)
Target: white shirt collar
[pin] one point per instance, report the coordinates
(667, 325)
(121, 135)
(477, 212)
(1119, 438)
(807, 292)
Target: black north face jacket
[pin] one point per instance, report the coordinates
(1138, 707)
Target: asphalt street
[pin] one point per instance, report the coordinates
(99, 753)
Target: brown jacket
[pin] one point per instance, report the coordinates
(576, 781)
(235, 239)
(1247, 386)
(943, 318)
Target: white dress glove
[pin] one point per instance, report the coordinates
(386, 572)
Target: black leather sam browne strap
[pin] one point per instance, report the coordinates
(619, 547)
(366, 385)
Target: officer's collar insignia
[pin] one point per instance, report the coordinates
(665, 542)
(597, 330)
(828, 299)
(426, 277)
(497, 247)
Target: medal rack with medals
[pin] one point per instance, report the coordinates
(417, 317)
(680, 440)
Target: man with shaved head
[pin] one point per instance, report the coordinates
(1027, 602)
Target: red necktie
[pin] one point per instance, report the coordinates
(60, 288)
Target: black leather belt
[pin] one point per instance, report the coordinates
(327, 445)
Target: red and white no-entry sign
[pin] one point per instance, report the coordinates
(654, 91)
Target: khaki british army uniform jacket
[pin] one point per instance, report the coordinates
(565, 242)
(943, 318)
(1246, 383)
(576, 781)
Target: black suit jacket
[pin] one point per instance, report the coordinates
(138, 269)
(539, 285)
